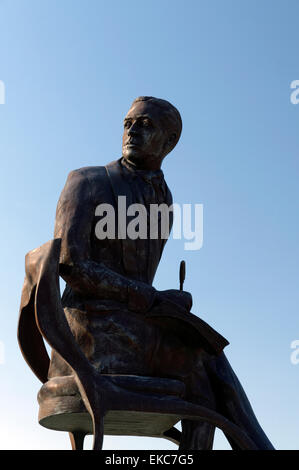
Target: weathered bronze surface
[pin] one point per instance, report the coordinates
(126, 359)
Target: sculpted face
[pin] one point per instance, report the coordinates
(145, 141)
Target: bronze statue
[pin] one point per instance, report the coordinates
(126, 335)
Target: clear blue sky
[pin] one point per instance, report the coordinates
(71, 70)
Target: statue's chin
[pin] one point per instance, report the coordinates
(134, 157)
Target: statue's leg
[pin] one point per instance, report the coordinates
(196, 435)
(77, 440)
(232, 402)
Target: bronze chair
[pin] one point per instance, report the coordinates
(88, 402)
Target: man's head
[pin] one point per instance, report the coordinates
(152, 129)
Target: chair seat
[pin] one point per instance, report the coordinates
(62, 409)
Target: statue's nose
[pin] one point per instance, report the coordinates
(133, 130)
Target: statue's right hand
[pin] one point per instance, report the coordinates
(182, 298)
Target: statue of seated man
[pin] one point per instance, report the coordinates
(121, 322)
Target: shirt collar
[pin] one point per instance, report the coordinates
(147, 175)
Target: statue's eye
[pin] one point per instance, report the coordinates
(127, 124)
(146, 123)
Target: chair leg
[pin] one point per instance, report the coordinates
(98, 429)
(173, 435)
(77, 440)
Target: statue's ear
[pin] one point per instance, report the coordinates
(169, 144)
(171, 139)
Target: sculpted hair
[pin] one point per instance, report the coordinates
(170, 116)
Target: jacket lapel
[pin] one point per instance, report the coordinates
(121, 187)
